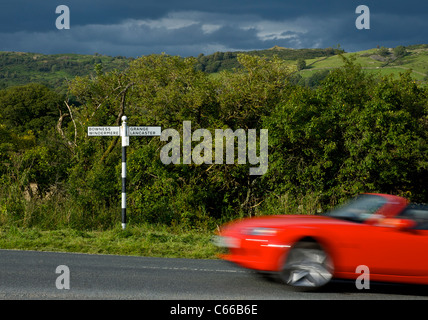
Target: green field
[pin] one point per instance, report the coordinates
(416, 60)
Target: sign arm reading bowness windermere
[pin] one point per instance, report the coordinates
(124, 132)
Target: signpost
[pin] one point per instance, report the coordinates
(124, 132)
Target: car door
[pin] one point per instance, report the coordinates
(394, 251)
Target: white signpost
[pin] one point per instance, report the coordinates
(124, 132)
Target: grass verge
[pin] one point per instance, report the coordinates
(142, 240)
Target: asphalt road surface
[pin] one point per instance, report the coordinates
(26, 275)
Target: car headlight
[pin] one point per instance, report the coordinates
(226, 242)
(260, 231)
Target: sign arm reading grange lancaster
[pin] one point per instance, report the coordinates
(144, 131)
(124, 132)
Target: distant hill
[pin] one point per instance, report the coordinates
(227, 60)
(382, 61)
(54, 70)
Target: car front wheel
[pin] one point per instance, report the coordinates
(307, 266)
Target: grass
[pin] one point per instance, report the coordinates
(143, 240)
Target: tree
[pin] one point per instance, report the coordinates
(32, 107)
(301, 64)
(384, 52)
(400, 51)
(29, 147)
(354, 134)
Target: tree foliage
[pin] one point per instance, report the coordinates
(356, 133)
(351, 133)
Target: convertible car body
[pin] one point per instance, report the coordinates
(382, 232)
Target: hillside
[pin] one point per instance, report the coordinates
(414, 58)
(227, 60)
(315, 64)
(17, 68)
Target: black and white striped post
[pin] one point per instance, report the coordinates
(125, 143)
(124, 132)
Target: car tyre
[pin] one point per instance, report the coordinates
(307, 266)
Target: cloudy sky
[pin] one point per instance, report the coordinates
(189, 27)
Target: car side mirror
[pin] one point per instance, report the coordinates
(397, 223)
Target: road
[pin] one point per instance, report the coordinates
(26, 275)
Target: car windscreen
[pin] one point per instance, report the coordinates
(358, 209)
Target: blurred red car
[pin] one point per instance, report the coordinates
(383, 232)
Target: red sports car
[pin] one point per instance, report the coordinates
(382, 232)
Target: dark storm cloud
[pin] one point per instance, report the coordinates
(133, 27)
